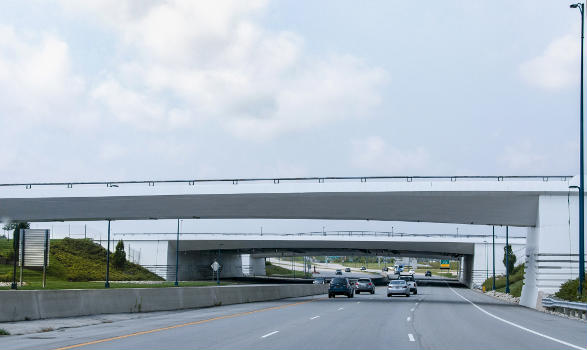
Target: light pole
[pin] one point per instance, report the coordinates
(107, 284)
(493, 250)
(507, 261)
(486, 262)
(177, 256)
(581, 7)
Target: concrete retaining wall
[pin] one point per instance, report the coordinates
(39, 304)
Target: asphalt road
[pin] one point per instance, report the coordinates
(441, 316)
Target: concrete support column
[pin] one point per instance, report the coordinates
(257, 266)
(552, 248)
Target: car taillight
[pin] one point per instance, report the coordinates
(370, 283)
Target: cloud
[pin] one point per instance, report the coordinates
(195, 61)
(375, 154)
(557, 67)
(36, 80)
(527, 158)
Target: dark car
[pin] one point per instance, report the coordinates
(364, 285)
(363, 268)
(428, 274)
(341, 286)
(348, 269)
(338, 272)
(385, 269)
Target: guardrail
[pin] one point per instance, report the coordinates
(569, 308)
(236, 181)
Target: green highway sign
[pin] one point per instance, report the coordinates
(444, 264)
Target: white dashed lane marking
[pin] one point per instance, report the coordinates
(269, 334)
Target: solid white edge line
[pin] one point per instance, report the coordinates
(411, 337)
(412, 309)
(313, 318)
(517, 325)
(341, 308)
(408, 319)
(268, 334)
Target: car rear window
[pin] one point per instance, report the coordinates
(364, 280)
(398, 282)
(338, 281)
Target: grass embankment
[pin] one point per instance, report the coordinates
(516, 282)
(73, 263)
(278, 271)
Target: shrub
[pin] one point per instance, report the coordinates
(569, 291)
(119, 257)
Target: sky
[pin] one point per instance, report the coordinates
(128, 90)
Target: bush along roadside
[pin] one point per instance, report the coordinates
(569, 291)
(516, 282)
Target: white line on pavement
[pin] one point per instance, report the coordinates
(408, 319)
(517, 325)
(412, 309)
(268, 334)
(411, 337)
(341, 308)
(315, 317)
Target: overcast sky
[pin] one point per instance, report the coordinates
(126, 90)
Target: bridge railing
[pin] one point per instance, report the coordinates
(236, 181)
(342, 233)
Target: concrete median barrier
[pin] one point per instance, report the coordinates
(40, 304)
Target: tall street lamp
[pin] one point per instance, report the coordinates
(581, 7)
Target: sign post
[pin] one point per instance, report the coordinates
(34, 251)
(215, 267)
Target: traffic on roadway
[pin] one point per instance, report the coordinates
(443, 315)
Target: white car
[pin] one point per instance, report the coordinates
(412, 285)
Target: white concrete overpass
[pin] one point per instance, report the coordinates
(198, 251)
(544, 204)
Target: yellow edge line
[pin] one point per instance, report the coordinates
(182, 325)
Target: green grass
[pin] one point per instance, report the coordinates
(516, 282)
(76, 260)
(278, 271)
(100, 285)
(568, 291)
(358, 264)
(4, 332)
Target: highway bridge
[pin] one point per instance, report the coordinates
(547, 205)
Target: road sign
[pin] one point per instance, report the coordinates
(215, 265)
(445, 264)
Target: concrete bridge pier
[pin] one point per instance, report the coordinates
(552, 246)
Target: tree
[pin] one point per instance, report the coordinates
(507, 252)
(16, 226)
(119, 257)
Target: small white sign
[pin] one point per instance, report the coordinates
(215, 265)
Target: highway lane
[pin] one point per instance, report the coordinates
(437, 318)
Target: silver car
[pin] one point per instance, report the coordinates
(398, 287)
(364, 285)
